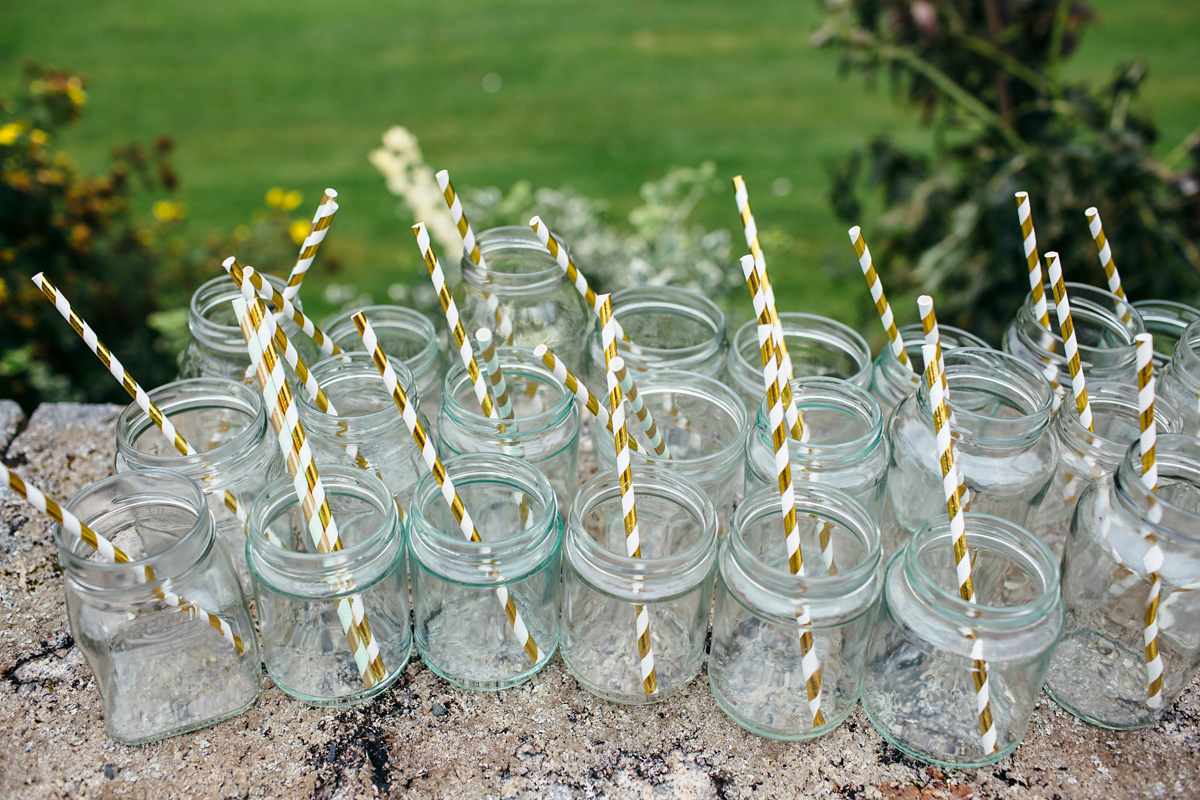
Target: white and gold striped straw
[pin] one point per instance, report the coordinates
(582, 396)
(1025, 217)
(933, 336)
(308, 250)
(1106, 260)
(110, 553)
(435, 466)
(750, 229)
(895, 341)
(504, 326)
(283, 306)
(1154, 557)
(1062, 306)
(572, 272)
(795, 421)
(658, 442)
(495, 375)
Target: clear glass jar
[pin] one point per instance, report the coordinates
(603, 587)
(1084, 456)
(236, 451)
(404, 333)
(463, 590)
(705, 427)
(161, 669)
(302, 596)
(754, 667)
(1099, 672)
(544, 430)
(919, 684)
(891, 381)
(368, 432)
(1166, 321)
(216, 348)
(532, 290)
(1180, 381)
(1001, 410)
(845, 446)
(1106, 346)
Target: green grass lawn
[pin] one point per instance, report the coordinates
(601, 96)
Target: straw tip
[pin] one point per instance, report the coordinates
(1022, 195)
(331, 193)
(540, 350)
(535, 221)
(925, 301)
(616, 364)
(1144, 339)
(229, 262)
(483, 336)
(37, 279)
(1091, 211)
(854, 232)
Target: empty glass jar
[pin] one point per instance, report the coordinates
(891, 381)
(1166, 321)
(1180, 381)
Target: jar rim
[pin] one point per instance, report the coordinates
(385, 317)
(836, 393)
(1172, 451)
(217, 293)
(1108, 397)
(1087, 302)
(515, 362)
(1187, 354)
(681, 300)
(743, 353)
(355, 364)
(516, 237)
(1007, 376)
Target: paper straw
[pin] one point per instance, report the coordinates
(110, 553)
(657, 442)
(465, 353)
(1106, 261)
(283, 306)
(1062, 306)
(572, 272)
(322, 528)
(742, 198)
(795, 421)
(582, 396)
(878, 297)
(435, 466)
(491, 361)
(1025, 216)
(504, 326)
(958, 532)
(933, 336)
(308, 251)
(1154, 557)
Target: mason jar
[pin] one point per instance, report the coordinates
(307, 601)
(216, 348)
(845, 446)
(924, 663)
(486, 608)
(236, 451)
(405, 334)
(1001, 409)
(1084, 456)
(891, 381)
(368, 432)
(1121, 530)
(1180, 381)
(162, 669)
(704, 425)
(818, 346)
(605, 590)
(544, 430)
(755, 664)
(525, 286)
(1166, 320)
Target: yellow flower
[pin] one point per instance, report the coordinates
(167, 211)
(299, 230)
(75, 94)
(291, 200)
(9, 132)
(274, 197)
(38, 136)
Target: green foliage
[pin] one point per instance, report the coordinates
(986, 76)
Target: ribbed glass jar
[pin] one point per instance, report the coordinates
(605, 590)
(845, 446)
(1166, 321)
(704, 425)
(891, 381)
(1180, 381)
(487, 610)
(160, 667)
(1120, 533)
(305, 599)
(755, 664)
(919, 686)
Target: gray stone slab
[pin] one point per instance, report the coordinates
(423, 739)
(11, 420)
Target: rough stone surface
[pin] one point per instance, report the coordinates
(11, 420)
(423, 738)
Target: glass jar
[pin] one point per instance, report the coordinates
(532, 291)
(404, 333)
(161, 668)
(1106, 346)
(1166, 321)
(1001, 411)
(302, 597)
(704, 425)
(236, 451)
(368, 432)
(1084, 456)
(891, 381)
(1099, 672)
(1180, 381)
(845, 445)
(463, 590)
(754, 667)
(544, 430)
(919, 684)
(216, 348)
(603, 588)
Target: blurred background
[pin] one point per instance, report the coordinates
(142, 143)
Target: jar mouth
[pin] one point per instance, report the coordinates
(355, 388)
(177, 401)
(818, 346)
(210, 314)
(1115, 416)
(1167, 321)
(1178, 495)
(1187, 355)
(531, 268)
(522, 372)
(843, 420)
(1015, 574)
(1103, 339)
(644, 312)
(913, 338)
(404, 333)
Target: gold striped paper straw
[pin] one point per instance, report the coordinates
(450, 309)
(504, 326)
(658, 442)
(110, 553)
(750, 229)
(1154, 557)
(582, 396)
(283, 306)
(1062, 306)
(1025, 217)
(933, 336)
(895, 341)
(572, 272)
(958, 533)
(308, 251)
(795, 421)
(435, 466)
(314, 504)
(809, 663)
(1106, 260)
